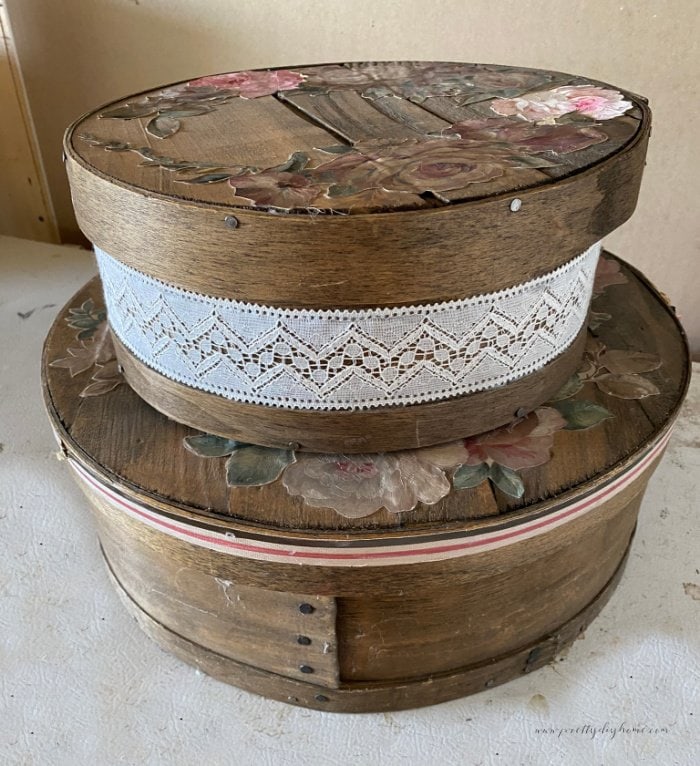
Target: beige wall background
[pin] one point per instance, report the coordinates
(76, 54)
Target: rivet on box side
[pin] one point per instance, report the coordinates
(516, 204)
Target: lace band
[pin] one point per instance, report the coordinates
(347, 360)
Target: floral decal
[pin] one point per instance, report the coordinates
(546, 105)
(616, 372)
(607, 274)
(421, 80)
(247, 464)
(95, 350)
(524, 130)
(529, 138)
(168, 107)
(251, 84)
(359, 485)
(498, 455)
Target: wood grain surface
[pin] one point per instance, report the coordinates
(366, 697)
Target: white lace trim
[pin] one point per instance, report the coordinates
(347, 360)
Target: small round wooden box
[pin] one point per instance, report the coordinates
(352, 258)
(374, 581)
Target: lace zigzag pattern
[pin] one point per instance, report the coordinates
(345, 360)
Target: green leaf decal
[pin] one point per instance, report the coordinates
(251, 466)
(336, 149)
(581, 414)
(380, 91)
(572, 386)
(194, 112)
(82, 322)
(130, 111)
(507, 480)
(629, 386)
(622, 362)
(296, 162)
(468, 476)
(208, 445)
(163, 126)
(528, 161)
(340, 191)
(207, 178)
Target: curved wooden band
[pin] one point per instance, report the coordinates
(372, 696)
(379, 430)
(376, 259)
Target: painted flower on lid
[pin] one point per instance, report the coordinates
(436, 165)
(252, 84)
(358, 485)
(276, 189)
(529, 137)
(421, 80)
(526, 443)
(522, 130)
(506, 78)
(546, 105)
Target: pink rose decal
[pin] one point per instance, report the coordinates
(359, 485)
(252, 84)
(598, 103)
(284, 190)
(523, 444)
(546, 105)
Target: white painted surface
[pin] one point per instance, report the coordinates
(80, 684)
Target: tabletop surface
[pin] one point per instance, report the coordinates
(361, 137)
(80, 684)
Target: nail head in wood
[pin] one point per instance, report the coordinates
(516, 204)
(321, 698)
(520, 412)
(306, 669)
(306, 609)
(303, 640)
(231, 221)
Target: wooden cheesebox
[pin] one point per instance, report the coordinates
(263, 587)
(354, 258)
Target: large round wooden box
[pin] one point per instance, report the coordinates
(374, 581)
(353, 258)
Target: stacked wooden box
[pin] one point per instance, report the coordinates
(374, 418)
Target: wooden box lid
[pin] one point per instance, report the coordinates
(354, 232)
(358, 185)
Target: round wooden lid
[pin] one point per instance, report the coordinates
(368, 184)
(608, 422)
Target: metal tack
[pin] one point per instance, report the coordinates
(231, 221)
